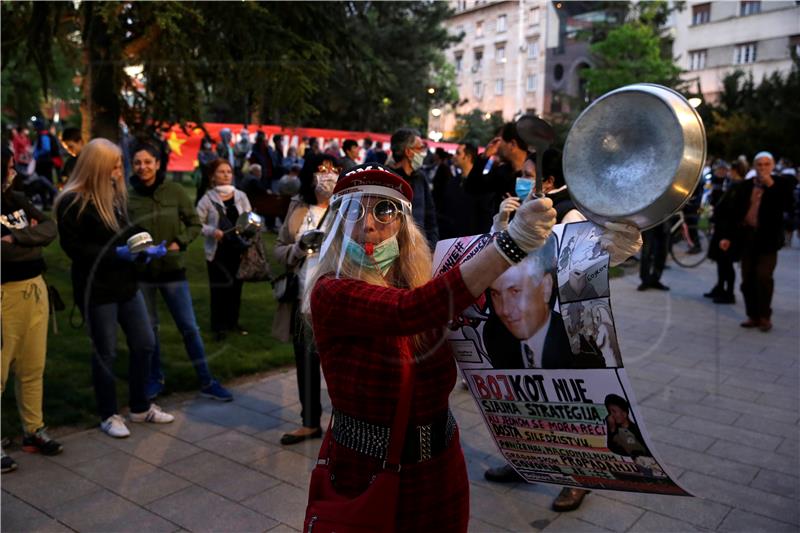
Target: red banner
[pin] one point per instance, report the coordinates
(185, 146)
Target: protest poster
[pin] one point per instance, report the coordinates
(540, 355)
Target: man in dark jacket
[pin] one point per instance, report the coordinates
(498, 179)
(166, 212)
(408, 153)
(750, 217)
(351, 149)
(524, 331)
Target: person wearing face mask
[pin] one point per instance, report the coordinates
(218, 211)
(306, 210)
(165, 211)
(379, 320)
(408, 154)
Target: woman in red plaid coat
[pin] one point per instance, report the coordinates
(372, 302)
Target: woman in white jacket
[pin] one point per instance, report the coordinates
(218, 210)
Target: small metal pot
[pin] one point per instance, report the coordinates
(248, 224)
(635, 155)
(139, 242)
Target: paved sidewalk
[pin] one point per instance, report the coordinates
(721, 402)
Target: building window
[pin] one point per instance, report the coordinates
(744, 53)
(697, 60)
(533, 16)
(477, 89)
(531, 85)
(500, 53)
(501, 23)
(479, 28)
(749, 8)
(794, 45)
(477, 60)
(459, 62)
(533, 50)
(701, 14)
(462, 5)
(498, 86)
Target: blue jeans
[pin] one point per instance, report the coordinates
(179, 302)
(101, 321)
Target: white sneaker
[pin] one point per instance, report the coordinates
(153, 415)
(114, 426)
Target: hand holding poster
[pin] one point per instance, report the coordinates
(540, 355)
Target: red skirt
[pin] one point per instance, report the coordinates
(434, 495)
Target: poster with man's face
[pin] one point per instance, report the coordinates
(540, 355)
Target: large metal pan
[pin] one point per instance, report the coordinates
(635, 155)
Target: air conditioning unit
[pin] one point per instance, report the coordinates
(523, 48)
(475, 68)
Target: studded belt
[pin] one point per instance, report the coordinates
(421, 443)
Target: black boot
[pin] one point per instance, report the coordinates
(715, 292)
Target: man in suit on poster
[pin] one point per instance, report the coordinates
(523, 331)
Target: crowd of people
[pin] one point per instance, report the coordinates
(753, 212)
(356, 244)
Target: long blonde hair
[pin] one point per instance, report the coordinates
(91, 180)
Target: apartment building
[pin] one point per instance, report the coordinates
(567, 52)
(499, 62)
(713, 39)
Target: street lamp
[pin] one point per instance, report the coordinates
(695, 101)
(431, 90)
(436, 112)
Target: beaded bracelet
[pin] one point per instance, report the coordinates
(510, 250)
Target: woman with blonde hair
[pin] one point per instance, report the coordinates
(379, 320)
(377, 315)
(94, 228)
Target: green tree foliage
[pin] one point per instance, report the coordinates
(389, 55)
(750, 117)
(31, 75)
(354, 65)
(630, 53)
(476, 127)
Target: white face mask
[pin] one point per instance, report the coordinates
(417, 160)
(326, 181)
(225, 189)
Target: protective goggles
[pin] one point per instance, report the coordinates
(384, 210)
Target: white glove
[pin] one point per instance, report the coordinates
(532, 224)
(621, 240)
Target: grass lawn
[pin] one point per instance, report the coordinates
(68, 392)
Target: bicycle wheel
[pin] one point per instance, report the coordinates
(689, 246)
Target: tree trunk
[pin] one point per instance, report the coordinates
(101, 103)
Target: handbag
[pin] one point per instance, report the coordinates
(374, 510)
(254, 265)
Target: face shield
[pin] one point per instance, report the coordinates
(364, 232)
